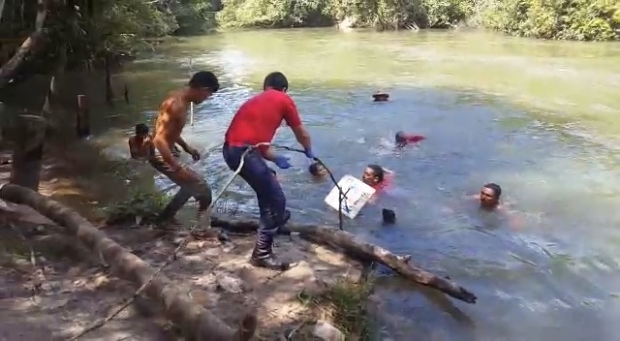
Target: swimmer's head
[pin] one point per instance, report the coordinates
(276, 81)
(317, 169)
(142, 130)
(202, 85)
(400, 138)
(489, 195)
(373, 175)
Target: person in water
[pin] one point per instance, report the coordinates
(317, 170)
(403, 139)
(256, 122)
(140, 144)
(377, 177)
(489, 197)
(169, 125)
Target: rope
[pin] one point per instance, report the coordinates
(173, 256)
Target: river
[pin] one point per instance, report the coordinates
(539, 118)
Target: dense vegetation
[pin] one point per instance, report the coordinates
(86, 31)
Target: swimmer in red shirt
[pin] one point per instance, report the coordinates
(403, 139)
(256, 121)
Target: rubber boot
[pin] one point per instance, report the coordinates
(263, 256)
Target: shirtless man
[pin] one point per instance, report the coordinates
(140, 144)
(171, 119)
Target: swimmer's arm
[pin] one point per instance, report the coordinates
(291, 117)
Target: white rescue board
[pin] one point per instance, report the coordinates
(357, 195)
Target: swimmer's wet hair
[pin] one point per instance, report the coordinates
(142, 129)
(378, 170)
(400, 137)
(495, 187)
(277, 81)
(314, 168)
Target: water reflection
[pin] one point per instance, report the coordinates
(550, 278)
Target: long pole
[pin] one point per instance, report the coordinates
(191, 105)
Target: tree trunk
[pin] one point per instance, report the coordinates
(10, 68)
(28, 136)
(31, 44)
(196, 322)
(333, 237)
(2, 2)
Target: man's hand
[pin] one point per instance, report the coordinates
(282, 161)
(194, 153)
(309, 154)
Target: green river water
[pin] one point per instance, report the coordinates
(539, 118)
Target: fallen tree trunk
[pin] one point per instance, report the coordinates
(344, 240)
(196, 322)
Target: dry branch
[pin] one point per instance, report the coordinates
(196, 322)
(344, 240)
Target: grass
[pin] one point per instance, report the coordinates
(345, 305)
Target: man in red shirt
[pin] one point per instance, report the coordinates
(256, 121)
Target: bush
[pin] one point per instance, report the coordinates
(193, 17)
(140, 205)
(556, 19)
(274, 14)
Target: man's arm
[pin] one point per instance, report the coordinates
(269, 154)
(291, 116)
(183, 144)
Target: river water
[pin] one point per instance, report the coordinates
(539, 118)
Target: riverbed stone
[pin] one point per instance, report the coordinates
(327, 332)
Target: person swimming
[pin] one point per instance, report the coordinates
(489, 197)
(402, 139)
(377, 177)
(317, 170)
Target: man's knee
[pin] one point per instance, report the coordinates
(203, 194)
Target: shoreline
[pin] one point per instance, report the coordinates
(85, 179)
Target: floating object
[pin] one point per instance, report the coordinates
(356, 195)
(389, 216)
(380, 96)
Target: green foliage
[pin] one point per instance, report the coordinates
(193, 16)
(140, 204)
(273, 13)
(556, 19)
(346, 302)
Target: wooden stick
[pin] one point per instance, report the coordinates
(333, 237)
(196, 322)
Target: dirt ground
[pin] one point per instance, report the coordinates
(50, 287)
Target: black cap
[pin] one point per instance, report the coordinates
(204, 80)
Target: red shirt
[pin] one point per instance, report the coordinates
(385, 184)
(414, 138)
(259, 117)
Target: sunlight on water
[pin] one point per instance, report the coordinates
(538, 118)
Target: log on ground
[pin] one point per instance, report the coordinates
(196, 322)
(333, 237)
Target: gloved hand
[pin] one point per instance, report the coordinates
(282, 161)
(309, 154)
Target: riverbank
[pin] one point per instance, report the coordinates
(45, 272)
